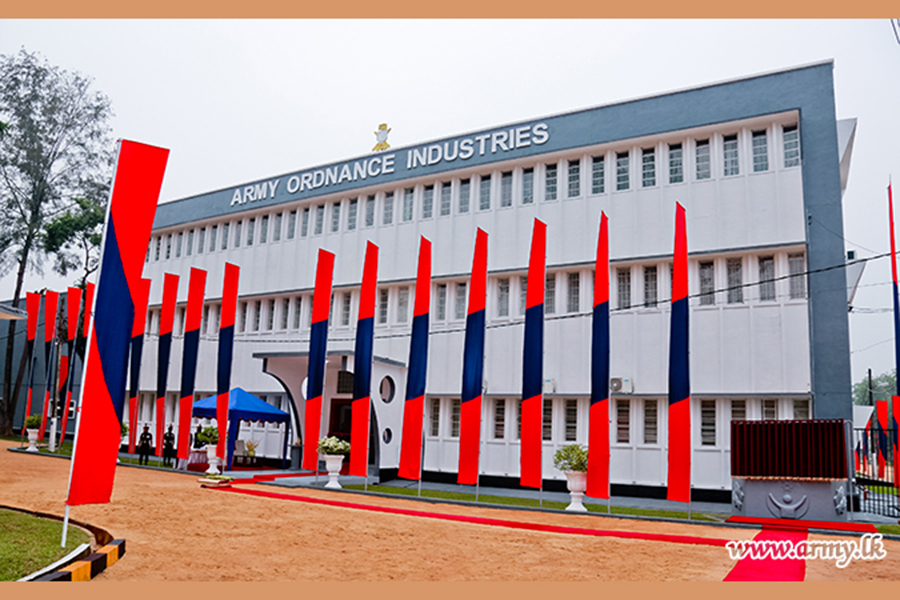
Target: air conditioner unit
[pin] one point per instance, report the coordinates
(549, 386)
(621, 385)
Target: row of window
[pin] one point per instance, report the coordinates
(636, 286)
(562, 417)
(561, 179)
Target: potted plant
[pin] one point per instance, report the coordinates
(572, 460)
(33, 427)
(124, 432)
(333, 451)
(210, 437)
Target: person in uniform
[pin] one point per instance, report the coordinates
(168, 447)
(197, 443)
(144, 446)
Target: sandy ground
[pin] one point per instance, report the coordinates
(177, 531)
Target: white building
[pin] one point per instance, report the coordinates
(758, 163)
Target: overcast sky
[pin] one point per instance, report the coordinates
(242, 100)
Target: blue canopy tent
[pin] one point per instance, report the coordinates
(243, 406)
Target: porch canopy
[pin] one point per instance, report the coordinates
(242, 406)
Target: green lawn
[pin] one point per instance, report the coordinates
(29, 543)
(889, 529)
(532, 502)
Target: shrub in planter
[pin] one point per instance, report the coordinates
(332, 445)
(209, 436)
(573, 457)
(124, 429)
(33, 422)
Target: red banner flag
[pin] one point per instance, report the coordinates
(73, 309)
(132, 206)
(137, 350)
(192, 317)
(533, 362)
(33, 304)
(679, 480)
(598, 442)
(362, 366)
(226, 352)
(51, 303)
(166, 322)
(318, 341)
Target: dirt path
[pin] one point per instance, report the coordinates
(177, 531)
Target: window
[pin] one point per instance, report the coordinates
(760, 152)
(181, 312)
(460, 312)
(335, 217)
(707, 422)
(791, 146)
(320, 219)
(190, 243)
(403, 305)
(550, 294)
(623, 279)
(309, 312)
(650, 287)
(676, 163)
(464, 191)
(801, 409)
(345, 310)
(276, 233)
(598, 175)
(370, 211)
(730, 155)
(528, 186)
(264, 229)
(178, 245)
(550, 182)
(285, 309)
(547, 421)
(622, 178)
(454, 417)
(738, 410)
(506, 188)
(382, 306)
(484, 193)
(408, 197)
(648, 167)
(707, 283)
(351, 214)
(651, 421)
(571, 420)
(168, 247)
(441, 303)
(574, 178)
(766, 278)
(292, 223)
(572, 293)
(158, 246)
(523, 294)
(435, 417)
(251, 228)
(446, 191)
(204, 321)
(243, 317)
(704, 166)
(270, 316)
(237, 234)
(257, 312)
(503, 297)
(499, 418)
(735, 280)
(428, 202)
(518, 418)
(225, 227)
(796, 269)
(212, 238)
(770, 409)
(388, 214)
(623, 421)
(298, 310)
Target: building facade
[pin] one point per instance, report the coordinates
(757, 162)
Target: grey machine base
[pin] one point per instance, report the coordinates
(789, 499)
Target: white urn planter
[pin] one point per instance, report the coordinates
(333, 464)
(32, 440)
(212, 459)
(577, 482)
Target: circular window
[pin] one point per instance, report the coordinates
(387, 436)
(387, 389)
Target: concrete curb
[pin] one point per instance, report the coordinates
(90, 567)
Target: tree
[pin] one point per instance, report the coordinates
(883, 387)
(74, 237)
(55, 148)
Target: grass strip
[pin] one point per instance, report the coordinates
(534, 503)
(29, 543)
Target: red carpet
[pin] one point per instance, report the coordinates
(635, 535)
(768, 568)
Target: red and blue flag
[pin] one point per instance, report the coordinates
(132, 206)
(192, 318)
(166, 321)
(881, 413)
(226, 351)
(318, 345)
(51, 304)
(137, 350)
(533, 362)
(598, 441)
(73, 308)
(679, 476)
(33, 305)
(362, 365)
(414, 404)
